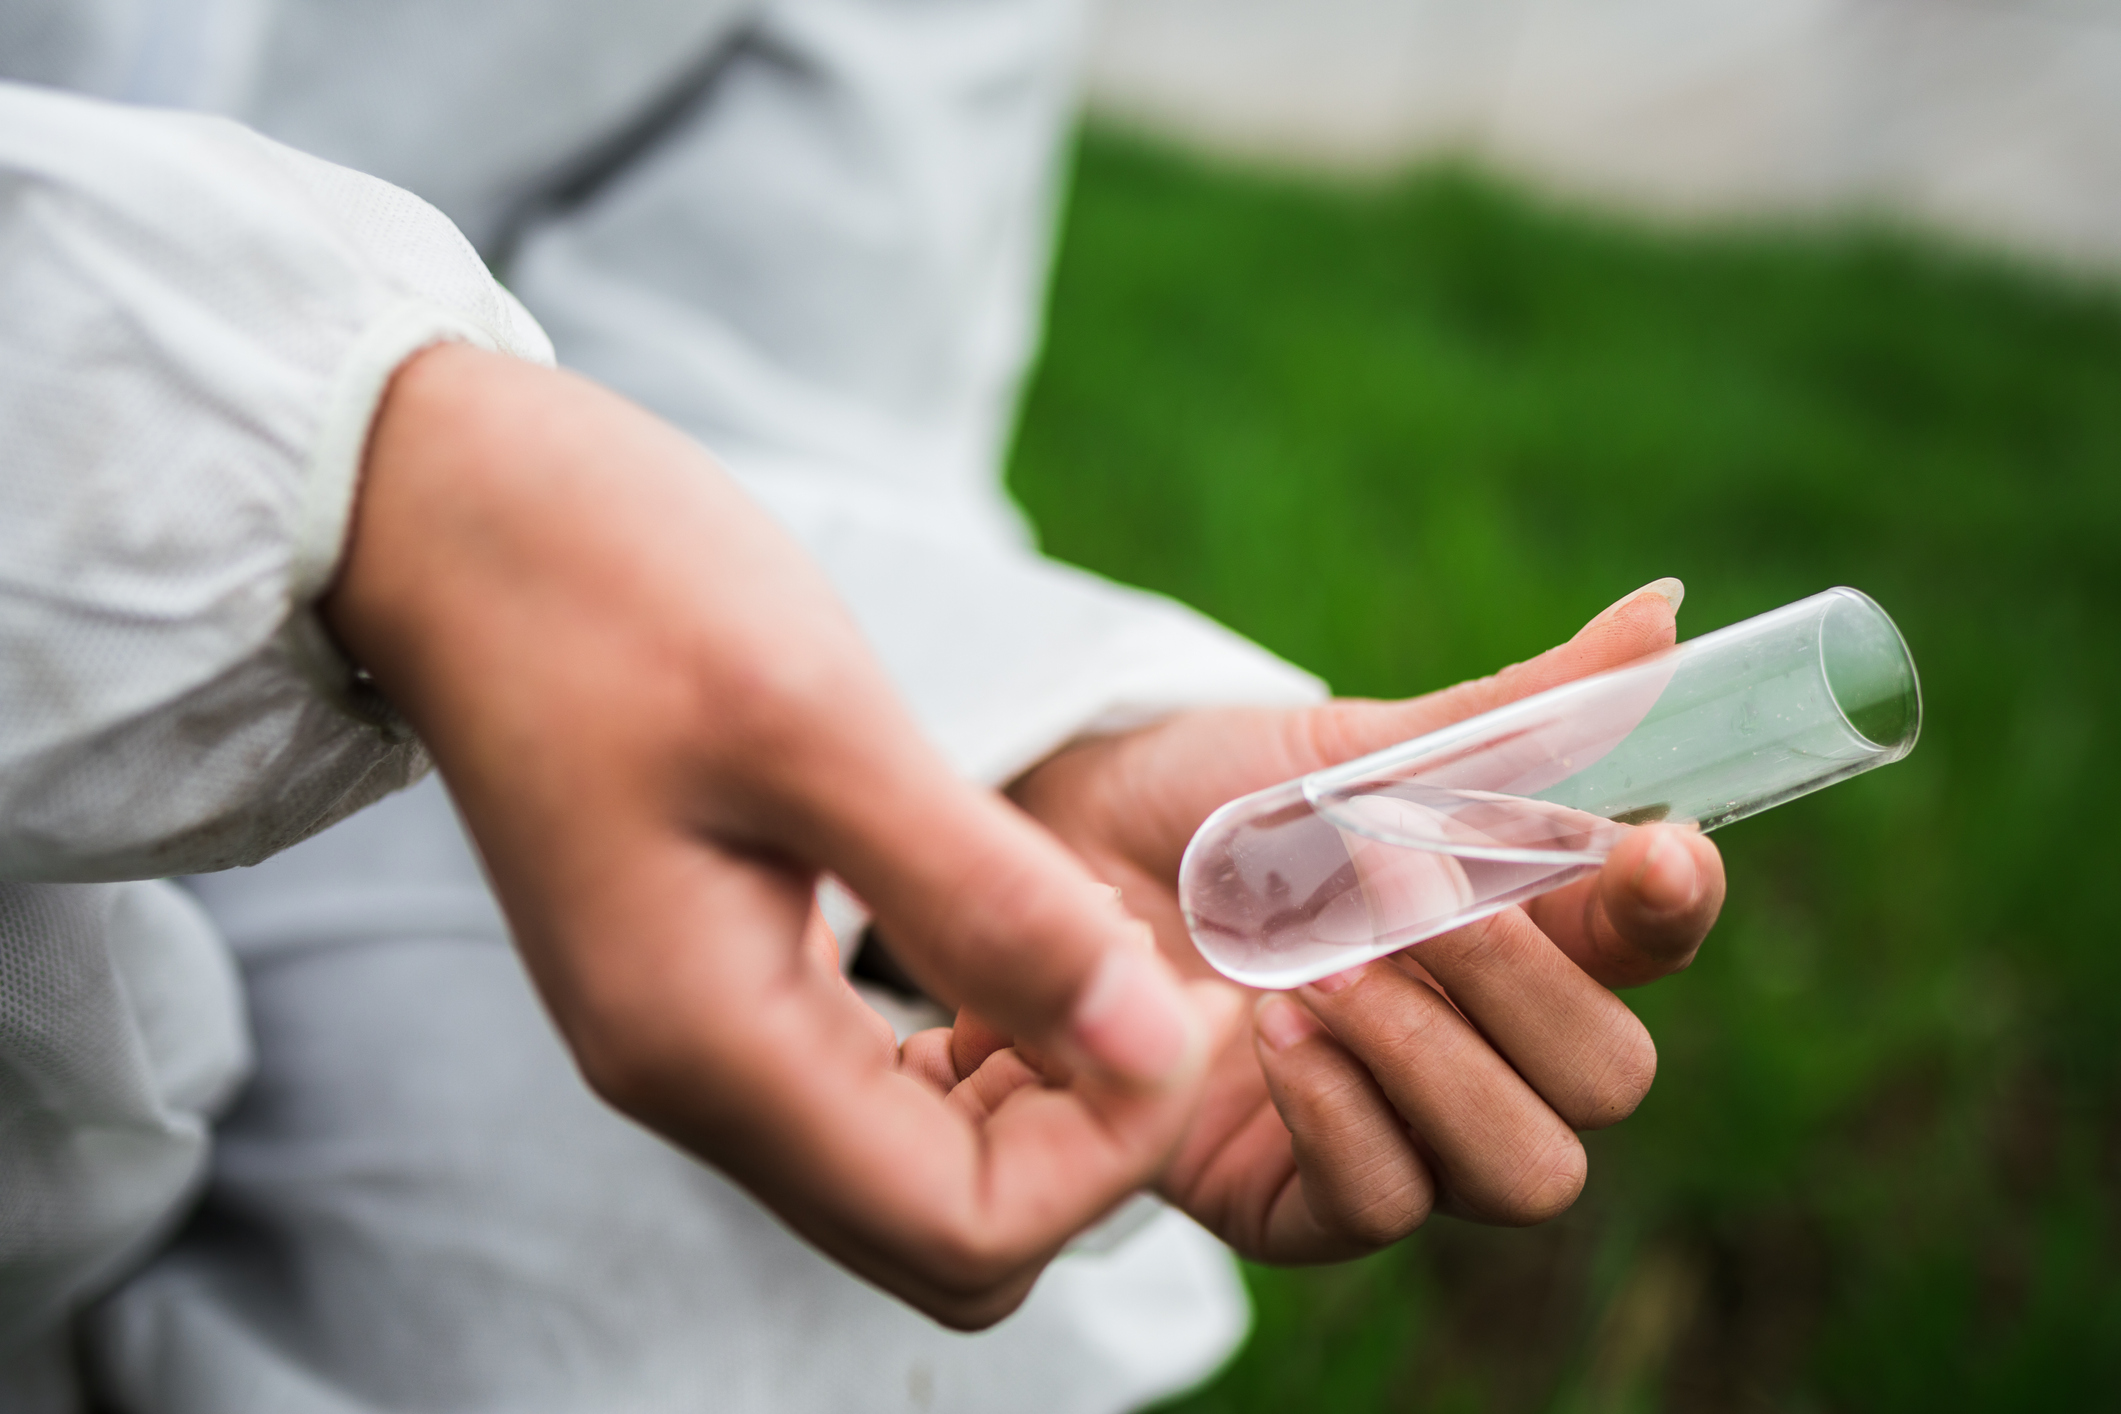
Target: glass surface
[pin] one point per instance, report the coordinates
(1315, 875)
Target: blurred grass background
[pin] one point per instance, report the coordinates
(1405, 434)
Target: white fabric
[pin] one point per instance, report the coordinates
(121, 1034)
(199, 324)
(810, 231)
(453, 1221)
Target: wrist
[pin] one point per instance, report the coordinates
(421, 435)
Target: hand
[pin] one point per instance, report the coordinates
(1451, 1076)
(660, 725)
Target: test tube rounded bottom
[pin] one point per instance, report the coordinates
(1320, 874)
(1277, 894)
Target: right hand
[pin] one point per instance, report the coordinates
(1451, 1076)
(659, 725)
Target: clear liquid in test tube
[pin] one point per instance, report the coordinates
(1316, 875)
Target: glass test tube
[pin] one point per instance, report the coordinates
(1315, 875)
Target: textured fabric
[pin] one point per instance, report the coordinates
(200, 324)
(419, 1205)
(121, 1034)
(828, 267)
(812, 233)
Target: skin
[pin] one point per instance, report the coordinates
(1452, 1077)
(660, 726)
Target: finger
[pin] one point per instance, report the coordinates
(775, 734)
(1573, 1041)
(925, 1055)
(985, 908)
(654, 746)
(819, 944)
(952, 1202)
(974, 1207)
(972, 1040)
(821, 950)
(982, 905)
(1644, 913)
(981, 1094)
(1362, 1181)
(1500, 1151)
(1640, 623)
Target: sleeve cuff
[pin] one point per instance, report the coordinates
(332, 480)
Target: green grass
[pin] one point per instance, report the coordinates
(1405, 435)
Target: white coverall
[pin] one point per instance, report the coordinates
(811, 232)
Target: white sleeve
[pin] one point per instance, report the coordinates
(199, 326)
(121, 1034)
(828, 268)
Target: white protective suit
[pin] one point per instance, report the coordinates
(810, 232)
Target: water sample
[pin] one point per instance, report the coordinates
(1315, 875)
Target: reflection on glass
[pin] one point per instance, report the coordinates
(1315, 875)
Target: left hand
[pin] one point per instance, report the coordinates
(1449, 1077)
(660, 725)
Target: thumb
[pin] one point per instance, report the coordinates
(1640, 623)
(987, 910)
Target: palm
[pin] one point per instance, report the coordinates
(1400, 1104)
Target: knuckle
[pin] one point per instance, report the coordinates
(968, 1268)
(964, 1281)
(1476, 695)
(1360, 1179)
(1388, 1011)
(1371, 1192)
(1388, 1214)
(1548, 1185)
(969, 1317)
(768, 696)
(1320, 736)
(1322, 1098)
(1359, 1176)
(1614, 1090)
(1486, 946)
(1404, 1038)
(976, 1309)
(617, 1073)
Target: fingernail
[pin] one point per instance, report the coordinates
(1668, 589)
(1338, 980)
(1282, 1022)
(1668, 881)
(1132, 1018)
